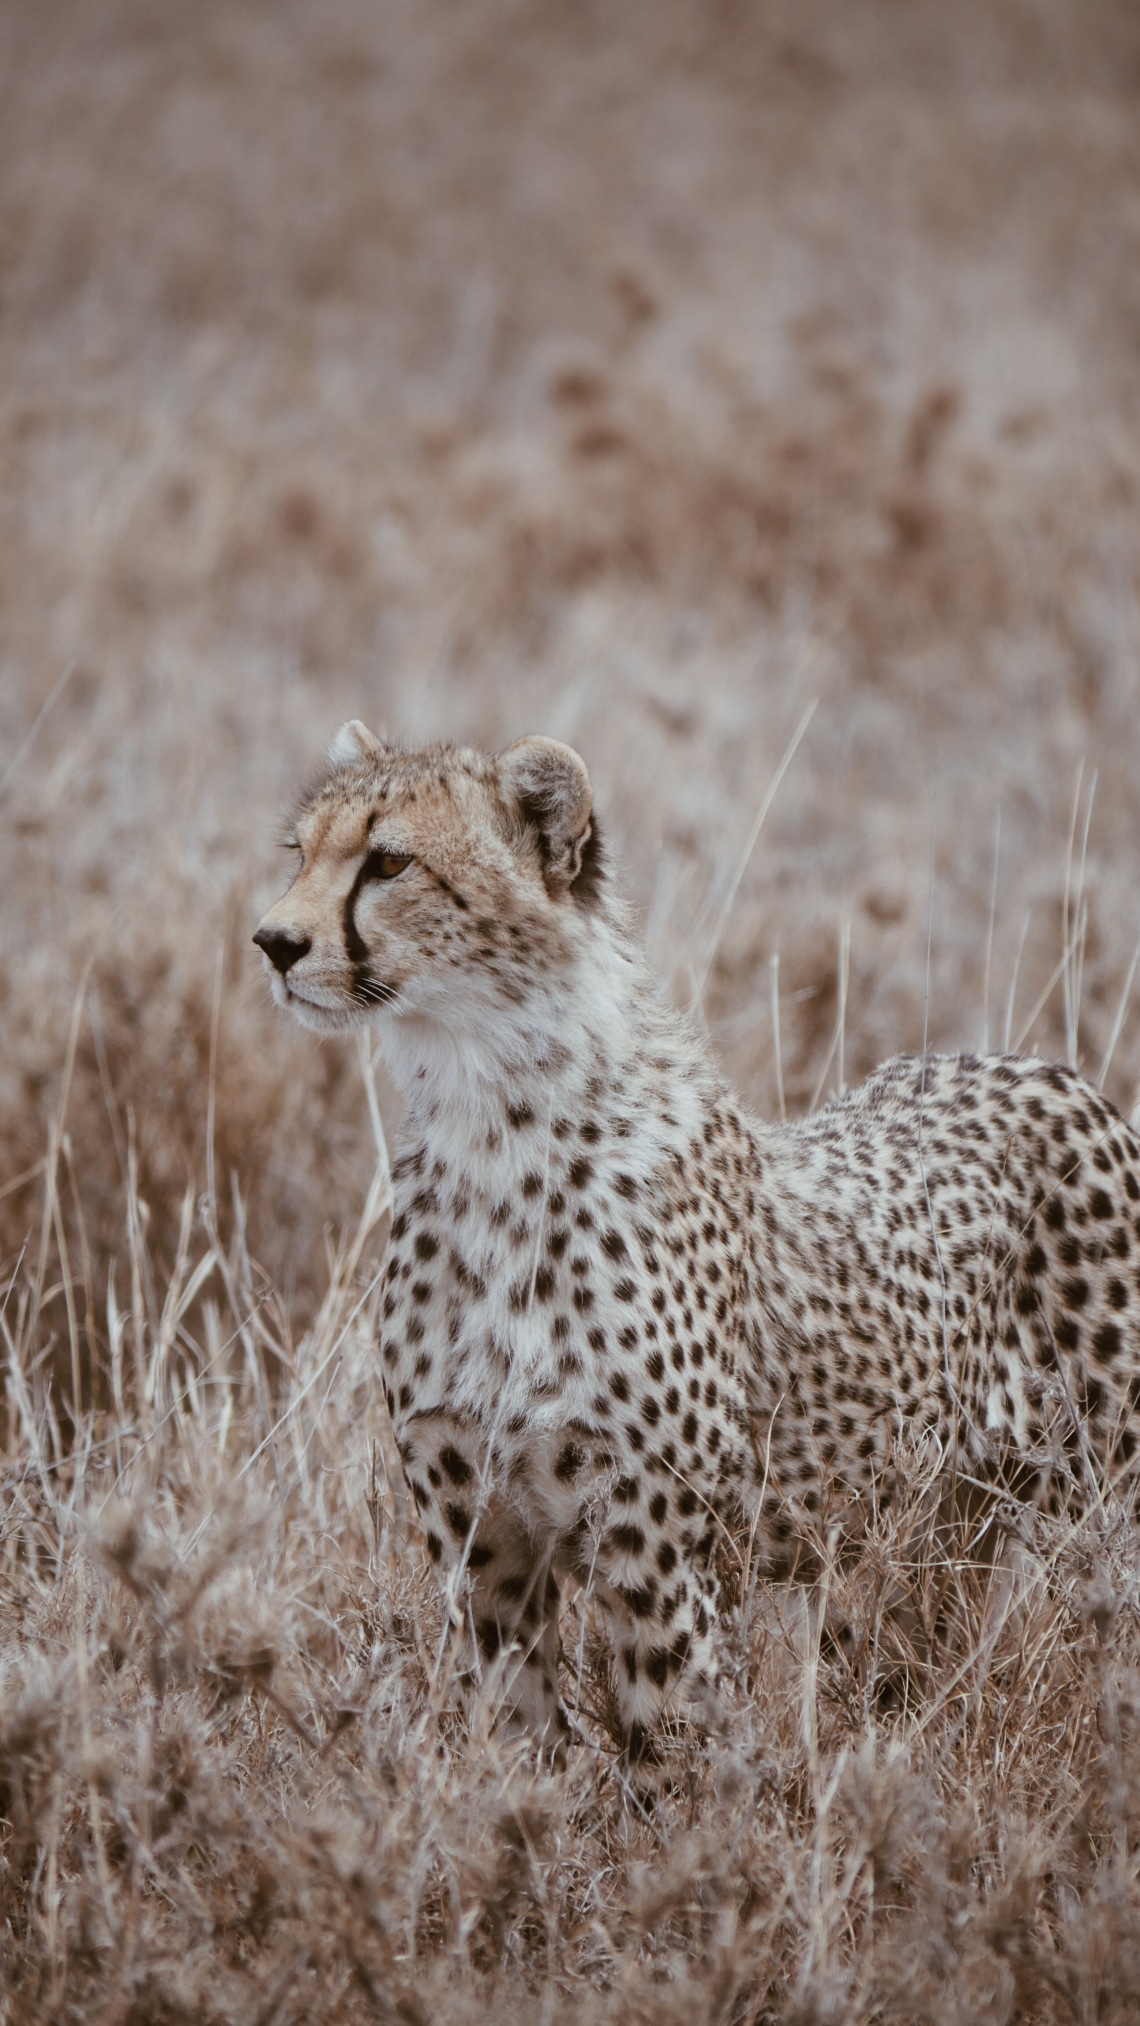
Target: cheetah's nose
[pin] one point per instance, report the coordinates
(282, 947)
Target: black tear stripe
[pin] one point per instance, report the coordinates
(365, 986)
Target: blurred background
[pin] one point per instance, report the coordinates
(634, 374)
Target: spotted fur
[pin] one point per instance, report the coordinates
(623, 1321)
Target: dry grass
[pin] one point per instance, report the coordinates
(635, 375)
(234, 1788)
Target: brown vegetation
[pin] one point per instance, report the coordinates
(636, 375)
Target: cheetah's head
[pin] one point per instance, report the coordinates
(444, 886)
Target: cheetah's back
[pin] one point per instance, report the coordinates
(954, 1247)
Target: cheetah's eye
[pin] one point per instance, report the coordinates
(386, 864)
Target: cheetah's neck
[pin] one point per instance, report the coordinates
(519, 1136)
(595, 1041)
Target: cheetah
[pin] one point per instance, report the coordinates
(622, 1320)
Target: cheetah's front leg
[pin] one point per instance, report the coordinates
(663, 1611)
(508, 1586)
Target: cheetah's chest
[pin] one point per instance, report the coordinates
(493, 1297)
(601, 1288)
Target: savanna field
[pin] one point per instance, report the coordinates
(749, 394)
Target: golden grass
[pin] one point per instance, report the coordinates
(234, 1786)
(637, 376)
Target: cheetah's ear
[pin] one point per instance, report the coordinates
(548, 787)
(353, 743)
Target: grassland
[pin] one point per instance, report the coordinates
(640, 376)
